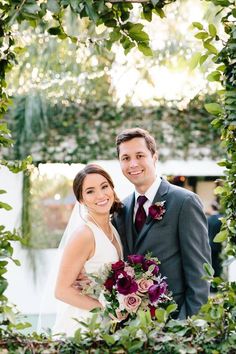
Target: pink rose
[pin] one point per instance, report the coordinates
(132, 302)
(130, 271)
(144, 285)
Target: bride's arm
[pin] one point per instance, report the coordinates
(79, 249)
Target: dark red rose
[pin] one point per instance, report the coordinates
(147, 263)
(109, 283)
(136, 259)
(155, 291)
(126, 285)
(118, 265)
(152, 310)
(157, 210)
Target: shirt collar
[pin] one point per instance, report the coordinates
(152, 190)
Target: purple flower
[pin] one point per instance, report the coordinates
(147, 263)
(126, 285)
(156, 291)
(157, 210)
(136, 259)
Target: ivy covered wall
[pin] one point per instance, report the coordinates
(72, 132)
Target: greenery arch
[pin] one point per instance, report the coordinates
(117, 18)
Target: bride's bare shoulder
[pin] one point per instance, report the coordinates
(83, 232)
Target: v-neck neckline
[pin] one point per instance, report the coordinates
(120, 254)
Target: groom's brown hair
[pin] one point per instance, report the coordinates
(131, 133)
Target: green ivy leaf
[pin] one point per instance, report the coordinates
(213, 108)
(198, 25)
(2, 191)
(221, 236)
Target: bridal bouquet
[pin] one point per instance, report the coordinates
(126, 287)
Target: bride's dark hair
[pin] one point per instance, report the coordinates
(91, 169)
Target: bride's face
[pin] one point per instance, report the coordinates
(97, 194)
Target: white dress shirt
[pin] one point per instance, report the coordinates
(150, 194)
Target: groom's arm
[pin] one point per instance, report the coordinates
(195, 251)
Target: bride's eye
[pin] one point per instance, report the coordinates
(105, 186)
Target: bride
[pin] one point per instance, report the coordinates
(94, 243)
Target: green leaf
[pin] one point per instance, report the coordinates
(214, 76)
(139, 36)
(171, 308)
(194, 61)
(213, 108)
(212, 30)
(54, 30)
(203, 58)
(145, 49)
(161, 315)
(219, 190)
(201, 35)
(221, 236)
(115, 35)
(208, 269)
(198, 25)
(210, 48)
(53, 6)
(92, 14)
(2, 191)
(3, 285)
(5, 206)
(159, 12)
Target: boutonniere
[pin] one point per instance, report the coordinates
(157, 210)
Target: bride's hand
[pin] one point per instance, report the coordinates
(82, 281)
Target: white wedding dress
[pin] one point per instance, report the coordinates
(105, 252)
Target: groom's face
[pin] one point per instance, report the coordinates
(137, 163)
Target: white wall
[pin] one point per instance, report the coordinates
(12, 184)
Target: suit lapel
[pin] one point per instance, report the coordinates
(129, 223)
(160, 196)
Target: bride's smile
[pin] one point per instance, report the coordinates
(97, 194)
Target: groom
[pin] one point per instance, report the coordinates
(174, 229)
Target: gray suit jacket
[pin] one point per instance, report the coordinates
(179, 240)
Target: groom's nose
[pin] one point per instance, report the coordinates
(133, 162)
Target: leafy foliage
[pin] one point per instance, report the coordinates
(86, 131)
(224, 110)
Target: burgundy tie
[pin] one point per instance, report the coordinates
(140, 216)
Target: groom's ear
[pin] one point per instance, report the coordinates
(155, 157)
